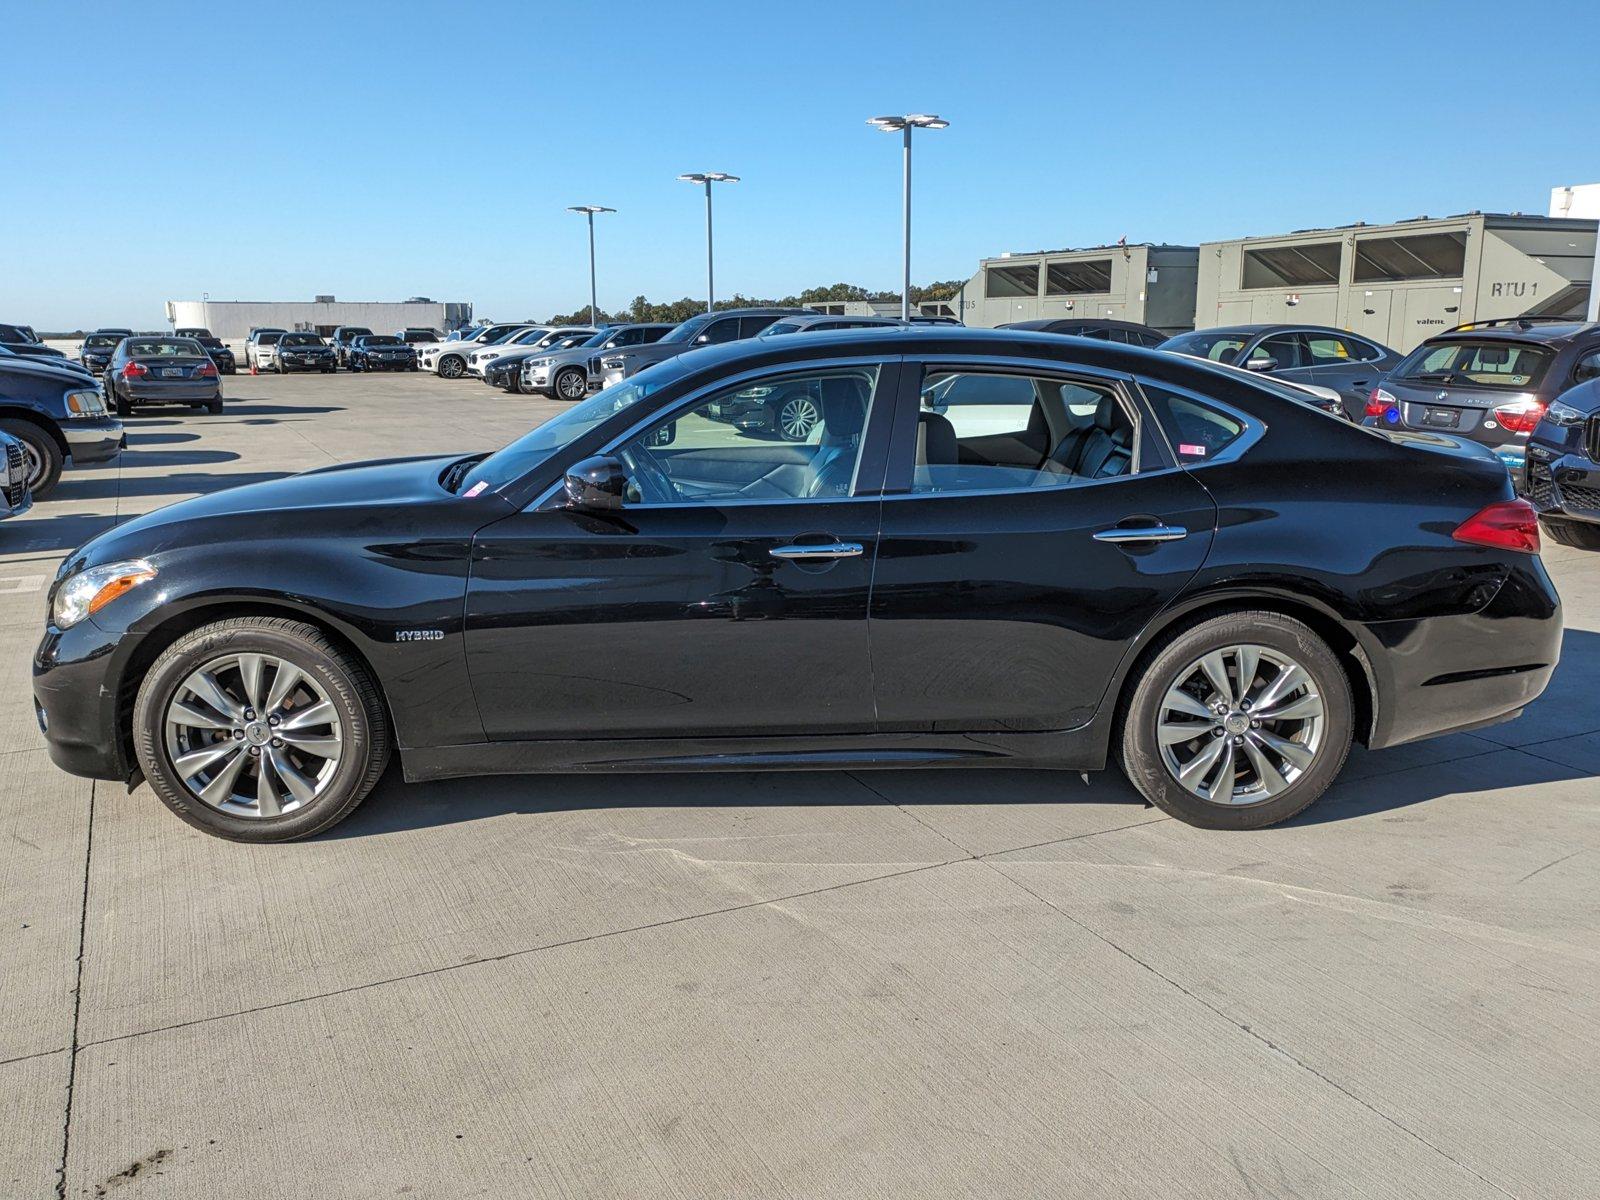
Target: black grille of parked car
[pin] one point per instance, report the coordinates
(1584, 498)
(1591, 438)
(16, 480)
(1541, 489)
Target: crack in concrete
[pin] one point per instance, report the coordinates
(77, 999)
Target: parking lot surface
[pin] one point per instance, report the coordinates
(887, 983)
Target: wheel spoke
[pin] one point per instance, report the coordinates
(1292, 753)
(184, 713)
(1179, 701)
(269, 800)
(301, 788)
(195, 761)
(320, 713)
(1216, 672)
(1272, 780)
(221, 786)
(250, 668)
(282, 684)
(1299, 709)
(1197, 768)
(1222, 785)
(1175, 733)
(204, 684)
(322, 747)
(1282, 685)
(1248, 661)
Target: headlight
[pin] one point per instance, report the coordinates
(540, 362)
(1564, 415)
(89, 591)
(86, 404)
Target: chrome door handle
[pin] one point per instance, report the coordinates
(1150, 533)
(813, 553)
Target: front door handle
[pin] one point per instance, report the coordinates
(821, 551)
(1120, 534)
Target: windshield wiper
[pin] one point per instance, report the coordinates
(1435, 376)
(456, 472)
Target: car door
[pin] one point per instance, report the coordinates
(1013, 570)
(726, 596)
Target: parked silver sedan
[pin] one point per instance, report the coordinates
(570, 374)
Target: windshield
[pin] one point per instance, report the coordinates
(301, 339)
(353, 331)
(100, 341)
(165, 348)
(686, 331)
(601, 338)
(267, 339)
(1490, 363)
(540, 442)
(381, 339)
(1218, 345)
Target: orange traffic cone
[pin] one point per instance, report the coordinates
(252, 368)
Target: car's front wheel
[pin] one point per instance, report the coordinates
(452, 367)
(259, 729)
(43, 456)
(572, 383)
(1238, 722)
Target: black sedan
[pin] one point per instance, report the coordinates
(218, 353)
(1131, 559)
(1130, 333)
(162, 370)
(303, 352)
(380, 352)
(1561, 474)
(96, 351)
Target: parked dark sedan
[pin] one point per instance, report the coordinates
(381, 352)
(1130, 333)
(1490, 381)
(1562, 472)
(162, 370)
(1140, 567)
(97, 349)
(218, 353)
(1314, 354)
(302, 352)
(22, 340)
(343, 337)
(58, 415)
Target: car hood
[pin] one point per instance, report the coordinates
(367, 494)
(46, 368)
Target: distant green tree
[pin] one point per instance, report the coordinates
(643, 309)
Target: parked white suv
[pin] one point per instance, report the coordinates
(449, 359)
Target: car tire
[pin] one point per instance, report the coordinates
(214, 406)
(45, 458)
(452, 366)
(570, 384)
(357, 727)
(797, 417)
(1580, 535)
(1174, 691)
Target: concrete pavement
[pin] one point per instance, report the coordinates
(834, 984)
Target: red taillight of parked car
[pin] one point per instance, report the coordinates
(206, 371)
(134, 370)
(1506, 525)
(1520, 418)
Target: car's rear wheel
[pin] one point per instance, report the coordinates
(1580, 535)
(452, 366)
(39, 448)
(572, 383)
(259, 729)
(1238, 722)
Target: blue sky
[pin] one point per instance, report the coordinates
(378, 151)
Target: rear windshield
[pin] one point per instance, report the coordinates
(1491, 363)
(165, 348)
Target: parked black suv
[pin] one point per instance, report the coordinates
(56, 415)
(342, 337)
(1490, 381)
(1315, 354)
(21, 339)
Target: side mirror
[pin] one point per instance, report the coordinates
(1261, 364)
(597, 483)
(703, 339)
(666, 435)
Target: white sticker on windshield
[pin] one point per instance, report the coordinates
(476, 488)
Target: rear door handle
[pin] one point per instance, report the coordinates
(814, 553)
(1120, 534)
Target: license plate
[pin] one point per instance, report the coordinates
(171, 372)
(1441, 418)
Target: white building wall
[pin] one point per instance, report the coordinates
(233, 319)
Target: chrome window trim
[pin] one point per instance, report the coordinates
(700, 395)
(1253, 430)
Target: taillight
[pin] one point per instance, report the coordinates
(207, 371)
(1521, 418)
(1384, 406)
(1505, 525)
(134, 370)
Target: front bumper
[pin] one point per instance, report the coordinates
(302, 362)
(1562, 481)
(76, 700)
(93, 441)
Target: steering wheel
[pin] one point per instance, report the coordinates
(654, 484)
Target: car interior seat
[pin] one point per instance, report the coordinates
(844, 414)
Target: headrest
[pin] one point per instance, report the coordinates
(844, 406)
(937, 444)
(1107, 415)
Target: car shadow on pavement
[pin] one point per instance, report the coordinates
(44, 532)
(176, 484)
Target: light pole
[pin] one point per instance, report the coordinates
(904, 125)
(589, 211)
(708, 178)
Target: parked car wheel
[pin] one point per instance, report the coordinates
(259, 729)
(572, 383)
(1578, 534)
(214, 407)
(44, 456)
(797, 416)
(452, 366)
(1237, 722)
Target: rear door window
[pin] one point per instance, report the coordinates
(750, 326)
(1198, 431)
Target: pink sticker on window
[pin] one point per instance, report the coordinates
(476, 488)
(1191, 449)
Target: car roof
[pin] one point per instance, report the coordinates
(1276, 327)
(1551, 333)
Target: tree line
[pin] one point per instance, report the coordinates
(645, 310)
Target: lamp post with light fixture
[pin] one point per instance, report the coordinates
(589, 211)
(708, 178)
(904, 125)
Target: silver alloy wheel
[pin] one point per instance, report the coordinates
(572, 384)
(798, 417)
(35, 463)
(1240, 724)
(253, 735)
(452, 367)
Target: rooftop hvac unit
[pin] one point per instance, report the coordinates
(323, 300)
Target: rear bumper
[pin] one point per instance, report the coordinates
(1444, 674)
(183, 392)
(93, 441)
